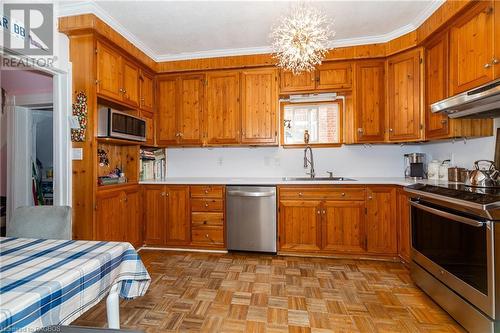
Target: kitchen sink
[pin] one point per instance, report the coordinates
(332, 179)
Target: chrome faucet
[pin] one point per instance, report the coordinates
(309, 162)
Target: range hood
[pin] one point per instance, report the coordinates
(481, 102)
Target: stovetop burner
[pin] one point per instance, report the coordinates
(478, 195)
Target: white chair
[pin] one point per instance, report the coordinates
(46, 222)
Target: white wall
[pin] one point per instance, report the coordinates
(347, 161)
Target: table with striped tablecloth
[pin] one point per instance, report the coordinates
(50, 282)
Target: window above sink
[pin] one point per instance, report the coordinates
(323, 121)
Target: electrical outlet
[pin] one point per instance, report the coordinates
(220, 161)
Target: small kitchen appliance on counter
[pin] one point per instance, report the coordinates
(485, 174)
(415, 166)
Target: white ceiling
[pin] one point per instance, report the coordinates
(172, 30)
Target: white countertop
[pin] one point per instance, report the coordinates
(279, 181)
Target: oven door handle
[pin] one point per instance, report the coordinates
(450, 216)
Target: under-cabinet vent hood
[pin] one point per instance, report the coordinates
(482, 102)
(304, 98)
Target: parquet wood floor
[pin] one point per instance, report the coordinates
(199, 292)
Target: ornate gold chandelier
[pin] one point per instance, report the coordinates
(300, 41)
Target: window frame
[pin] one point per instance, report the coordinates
(340, 104)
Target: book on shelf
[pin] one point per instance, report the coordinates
(153, 164)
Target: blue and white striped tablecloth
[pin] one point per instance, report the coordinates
(50, 282)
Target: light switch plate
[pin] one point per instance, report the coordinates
(77, 154)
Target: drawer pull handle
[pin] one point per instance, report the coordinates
(206, 205)
(343, 194)
(301, 194)
(206, 191)
(319, 212)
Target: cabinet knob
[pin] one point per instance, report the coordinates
(206, 205)
(370, 197)
(206, 191)
(360, 130)
(319, 212)
(444, 121)
(162, 194)
(343, 194)
(301, 194)
(391, 130)
(324, 211)
(487, 65)
(206, 236)
(495, 61)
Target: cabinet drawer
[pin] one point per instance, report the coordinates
(320, 193)
(207, 205)
(207, 220)
(207, 191)
(208, 236)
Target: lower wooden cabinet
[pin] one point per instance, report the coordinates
(300, 225)
(329, 220)
(403, 223)
(155, 212)
(207, 216)
(381, 235)
(119, 215)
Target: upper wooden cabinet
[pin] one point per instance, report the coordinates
(259, 107)
(117, 77)
(327, 76)
(404, 96)
(381, 237)
(334, 75)
(146, 90)
(130, 84)
(109, 71)
(180, 109)
(300, 82)
(436, 76)
(472, 55)
(369, 101)
(223, 125)
(190, 108)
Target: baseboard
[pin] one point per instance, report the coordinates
(178, 249)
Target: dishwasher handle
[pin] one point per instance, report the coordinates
(250, 194)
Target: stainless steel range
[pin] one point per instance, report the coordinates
(455, 250)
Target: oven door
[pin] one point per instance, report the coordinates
(457, 249)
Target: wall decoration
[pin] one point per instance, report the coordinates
(81, 112)
(103, 157)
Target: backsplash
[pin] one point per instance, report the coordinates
(347, 161)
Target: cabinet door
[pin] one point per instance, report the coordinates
(290, 82)
(300, 225)
(381, 234)
(471, 49)
(109, 72)
(404, 97)
(369, 101)
(178, 220)
(167, 111)
(344, 226)
(146, 89)
(130, 83)
(436, 80)
(259, 107)
(223, 108)
(403, 224)
(132, 217)
(190, 108)
(155, 214)
(109, 216)
(150, 128)
(336, 75)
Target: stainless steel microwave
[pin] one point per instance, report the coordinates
(120, 125)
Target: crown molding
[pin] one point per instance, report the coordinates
(91, 7)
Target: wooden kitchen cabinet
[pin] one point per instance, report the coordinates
(259, 107)
(344, 226)
(167, 112)
(404, 96)
(155, 214)
(223, 124)
(109, 71)
(178, 217)
(207, 216)
(180, 109)
(119, 215)
(290, 82)
(334, 75)
(381, 228)
(472, 58)
(190, 109)
(146, 91)
(130, 83)
(403, 224)
(300, 225)
(369, 101)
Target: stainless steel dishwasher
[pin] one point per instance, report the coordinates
(251, 218)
